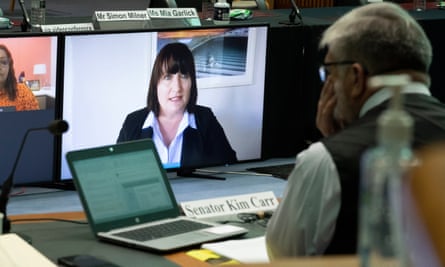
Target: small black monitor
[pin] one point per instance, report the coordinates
(34, 61)
(197, 4)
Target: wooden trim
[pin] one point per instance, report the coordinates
(72, 215)
(326, 261)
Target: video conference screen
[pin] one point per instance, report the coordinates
(28, 74)
(107, 76)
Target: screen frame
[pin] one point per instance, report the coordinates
(50, 86)
(60, 179)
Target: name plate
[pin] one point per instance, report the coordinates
(173, 17)
(263, 201)
(72, 27)
(124, 19)
(125, 15)
(172, 13)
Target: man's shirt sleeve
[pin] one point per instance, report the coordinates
(304, 222)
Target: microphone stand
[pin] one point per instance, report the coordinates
(26, 23)
(295, 12)
(192, 174)
(56, 128)
(7, 184)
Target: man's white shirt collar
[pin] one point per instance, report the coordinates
(386, 93)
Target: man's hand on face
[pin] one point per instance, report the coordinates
(325, 120)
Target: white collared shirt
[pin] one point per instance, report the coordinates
(386, 93)
(171, 155)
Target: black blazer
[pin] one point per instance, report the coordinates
(205, 146)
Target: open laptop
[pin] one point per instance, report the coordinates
(123, 189)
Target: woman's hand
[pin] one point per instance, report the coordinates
(325, 120)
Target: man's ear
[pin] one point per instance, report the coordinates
(359, 82)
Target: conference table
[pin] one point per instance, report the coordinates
(34, 216)
(55, 239)
(62, 237)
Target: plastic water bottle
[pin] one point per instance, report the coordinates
(221, 12)
(384, 170)
(38, 13)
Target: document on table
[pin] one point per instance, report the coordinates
(250, 250)
(14, 251)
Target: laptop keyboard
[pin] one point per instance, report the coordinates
(163, 230)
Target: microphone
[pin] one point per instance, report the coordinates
(56, 127)
(295, 12)
(26, 23)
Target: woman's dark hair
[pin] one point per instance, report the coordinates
(173, 58)
(11, 82)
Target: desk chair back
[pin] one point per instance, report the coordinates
(428, 190)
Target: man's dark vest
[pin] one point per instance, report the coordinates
(347, 147)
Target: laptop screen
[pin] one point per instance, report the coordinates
(121, 183)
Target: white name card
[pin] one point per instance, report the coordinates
(172, 13)
(124, 15)
(173, 17)
(72, 27)
(263, 201)
(119, 20)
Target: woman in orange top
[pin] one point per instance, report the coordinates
(12, 93)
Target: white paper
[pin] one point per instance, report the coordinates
(14, 251)
(223, 229)
(250, 250)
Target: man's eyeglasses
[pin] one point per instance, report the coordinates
(324, 72)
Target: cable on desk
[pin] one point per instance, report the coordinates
(248, 217)
(49, 219)
(21, 192)
(260, 218)
(235, 172)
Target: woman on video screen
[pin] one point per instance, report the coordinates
(13, 95)
(185, 134)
